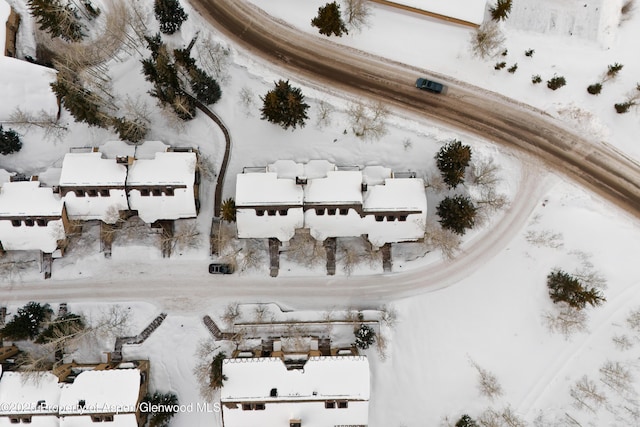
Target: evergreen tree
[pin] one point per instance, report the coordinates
(466, 421)
(365, 336)
(57, 19)
(163, 407)
(457, 214)
(595, 88)
(83, 104)
(26, 323)
(205, 88)
(567, 288)
(228, 210)
(9, 141)
(129, 130)
(284, 105)
(452, 159)
(329, 20)
(170, 15)
(556, 82)
(217, 378)
(623, 107)
(501, 10)
(613, 69)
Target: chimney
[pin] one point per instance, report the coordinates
(301, 180)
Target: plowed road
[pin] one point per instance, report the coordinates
(596, 166)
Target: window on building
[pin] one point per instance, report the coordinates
(16, 222)
(144, 192)
(330, 404)
(41, 222)
(260, 212)
(29, 222)
(319, 211)
(26, 420)
(271, 212)
(169, 191)
(156, 192)
(391, 218)
(344, 211)
(246, 406)
(343, 404)
(283, 212)
(379, 218)
(96, 418)
(14, 420)
(79, 193)
(259, 406)
(402, 218)
(104, 193)
(108, 418)
(331, 211)
(92, 193)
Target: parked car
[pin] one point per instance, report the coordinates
(429, 85)
(221, 268)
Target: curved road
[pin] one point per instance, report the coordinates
(597, 166)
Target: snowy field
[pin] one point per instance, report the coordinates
(495, 317)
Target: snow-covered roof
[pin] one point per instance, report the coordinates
(312, 169)
(91, 169)
(20, 393)
(4, 176)
(401, 194)
(267, 189)
(26, 199)
(301, 394)
(467, 10)
(102, 391)
(281, 227)
(338, 187)
(119, 420)
(166, 169)
(323, 378)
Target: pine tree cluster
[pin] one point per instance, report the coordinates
(162, 407)
(9, 141)
(563, 287)
(217, 378)
(284, 105)
(26, 324)
(329, 20)
(170, 15)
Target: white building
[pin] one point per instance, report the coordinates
(330, 201)
(93, 187)
(162, 185)
(329, 391)
(31, 217)
(94, 395)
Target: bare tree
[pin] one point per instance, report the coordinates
(381, 346)
(487, 40)
(357, 13)
(214, 57)
(52, 129)
(304, 249)
(252, 255)
(231, 313)
(484, 173)
(488, 384)
(586, 394)
(511, 419)
(435, 182)
(439, 238)
(247, 100)
(617, 377)
(325, 110)
(622, 342)
(349, 255)
(205, 353)
(566, 321)
(633, 320)
(368, 121)
(545, 238)
(388, 316)
(491, 418)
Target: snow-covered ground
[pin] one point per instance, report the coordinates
(494, 317)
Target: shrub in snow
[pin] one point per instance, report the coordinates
(26, 323)
(466, 421)
(556, 82)
(513, 68)
(595, 88)
(501, 10)
(170, 15)
(563, 287)
(329, 20)
(457, 213)
(9, 141)
(613, 70)
(452, 160)
(228, 210)
(217, 378)
(529, 52)
(162, 407)
(284, 105)
(624, 107)
(499, 65)
(535, 79)
(365, 336)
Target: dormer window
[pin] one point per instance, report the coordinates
(92, 193)
(104, 193)
(144, 192)
(156, 192)
(79, 193)
(29, 222)
(16, 222)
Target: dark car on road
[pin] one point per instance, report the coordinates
(220, 268)
(429, 85)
